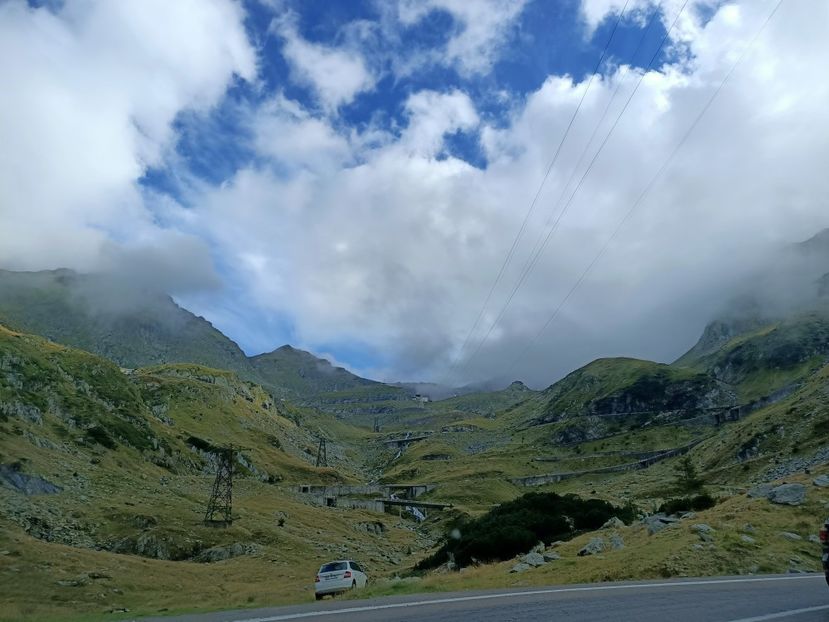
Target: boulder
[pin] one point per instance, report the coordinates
(788, 494)
(520, 567)
(657, 523)
(613, 523)
(822, 481)
(791, 537)
(747, 539)
(616, 542)
(534, 559)
(761, 492)
(551, 556)
(595, 546)
(705, 532)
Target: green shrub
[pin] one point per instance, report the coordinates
(516, 526)
(688, 504)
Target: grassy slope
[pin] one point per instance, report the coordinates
(148, 482)
(636, 383)
(670, 553)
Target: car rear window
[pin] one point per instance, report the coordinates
(334, 566)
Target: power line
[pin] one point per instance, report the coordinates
(533, 203)
(540, 240)
(648, 186)
(538, 251)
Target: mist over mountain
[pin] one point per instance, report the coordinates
(134, 326)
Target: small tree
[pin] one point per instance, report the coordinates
(687, 476)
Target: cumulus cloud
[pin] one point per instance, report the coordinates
(397, 250)
(336, 75)
(91, 91)
(481, 30)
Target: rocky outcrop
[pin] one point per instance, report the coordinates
(12, 476)
(221, 553)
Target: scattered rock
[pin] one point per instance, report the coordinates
(11, 476)
(76, 582)
(551, 556)
(705, 532)
(538, 548)
(375, 527)
(788, 494)
(814, 539)
(821, 481)
(788, 535)
(143, 521)
(534, 559)
(689, 516)
(520, 567)
(613, 523)
(595, 546)
(616, 542)
(747, 539)
(748, 528)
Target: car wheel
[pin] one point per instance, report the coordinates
(354, 584)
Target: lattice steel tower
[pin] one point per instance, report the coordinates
(220, 507)
(322, 454)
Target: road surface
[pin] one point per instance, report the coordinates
(790, 598)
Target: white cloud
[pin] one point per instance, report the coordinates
(397, 249)
(432, 115)
(90, 94)
(482, 29)
(293, 138)
(336, 75)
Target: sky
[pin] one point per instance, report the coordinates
(420, 190)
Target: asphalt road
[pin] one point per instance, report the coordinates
(795, 598)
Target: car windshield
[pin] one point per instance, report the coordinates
(334, 566)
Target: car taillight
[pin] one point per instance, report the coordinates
(823, 534)
(317, 580)
(347, 574)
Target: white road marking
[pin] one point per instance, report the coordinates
(782, 614)
(562, 590)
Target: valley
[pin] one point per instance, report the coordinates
(111, 421)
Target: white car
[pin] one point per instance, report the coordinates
(339, 576)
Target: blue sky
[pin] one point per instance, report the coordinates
(349, 177)
(546, 39)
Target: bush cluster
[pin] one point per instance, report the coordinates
(516, 526)
(688, 504)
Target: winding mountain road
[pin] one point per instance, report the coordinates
(795, 598)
